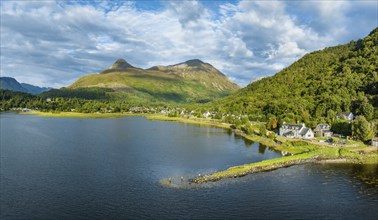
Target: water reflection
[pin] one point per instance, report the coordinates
(248, 143)
(262, 149)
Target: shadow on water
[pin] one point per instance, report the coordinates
(367, 173)
(262, 149)
(248, 143)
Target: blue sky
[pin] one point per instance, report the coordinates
(53, 43)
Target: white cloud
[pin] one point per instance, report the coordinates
(54, 43)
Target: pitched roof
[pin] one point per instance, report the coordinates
(293, 126)
(346, 114)
(322, 127)
(304, 131)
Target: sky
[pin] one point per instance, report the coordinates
(53, 43)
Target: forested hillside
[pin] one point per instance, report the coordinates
(315, 88)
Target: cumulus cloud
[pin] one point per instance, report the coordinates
(51, 43)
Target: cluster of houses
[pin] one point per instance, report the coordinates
(301, 131)
(296, 131)
(20, 109)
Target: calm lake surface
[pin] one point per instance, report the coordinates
(62, 168)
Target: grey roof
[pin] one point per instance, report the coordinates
(346, 114)
(304, 131)
(322, 127)
(293, 126)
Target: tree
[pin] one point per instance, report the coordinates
(342, 127)
(362, 129)
(331, 115)
(116, 109)
(367, 110)
(262, 130)
(238, 123)
(272, 124)
(248, 128)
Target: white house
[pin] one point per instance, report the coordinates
(347, 116)
(206, 114)
(323, 130)
(374, 142)
(296, 131)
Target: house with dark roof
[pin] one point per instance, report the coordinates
(323, 130)
(346, 115)
(296, 131)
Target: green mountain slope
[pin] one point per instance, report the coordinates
(191, 81)
(316, 87)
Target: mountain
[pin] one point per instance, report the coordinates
(10, 83)
(119, 66)
(197, 70)
(190, 81)
(34, 89)
(316, 87)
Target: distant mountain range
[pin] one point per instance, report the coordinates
(187, 82)
(10, 83)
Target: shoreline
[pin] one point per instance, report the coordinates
(79, 115)
(270, 165)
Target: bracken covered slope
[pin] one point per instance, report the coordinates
(191, 81)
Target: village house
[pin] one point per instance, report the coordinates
(323, 130)
(164, 111)
(206, 114)
(346, 115)
(296, 131)
(374, 142)
(20, 109)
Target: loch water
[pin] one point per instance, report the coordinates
(76, 168)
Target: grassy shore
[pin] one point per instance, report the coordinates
(80, 115)
(266, 165)
(200, 121)
(318, 155)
